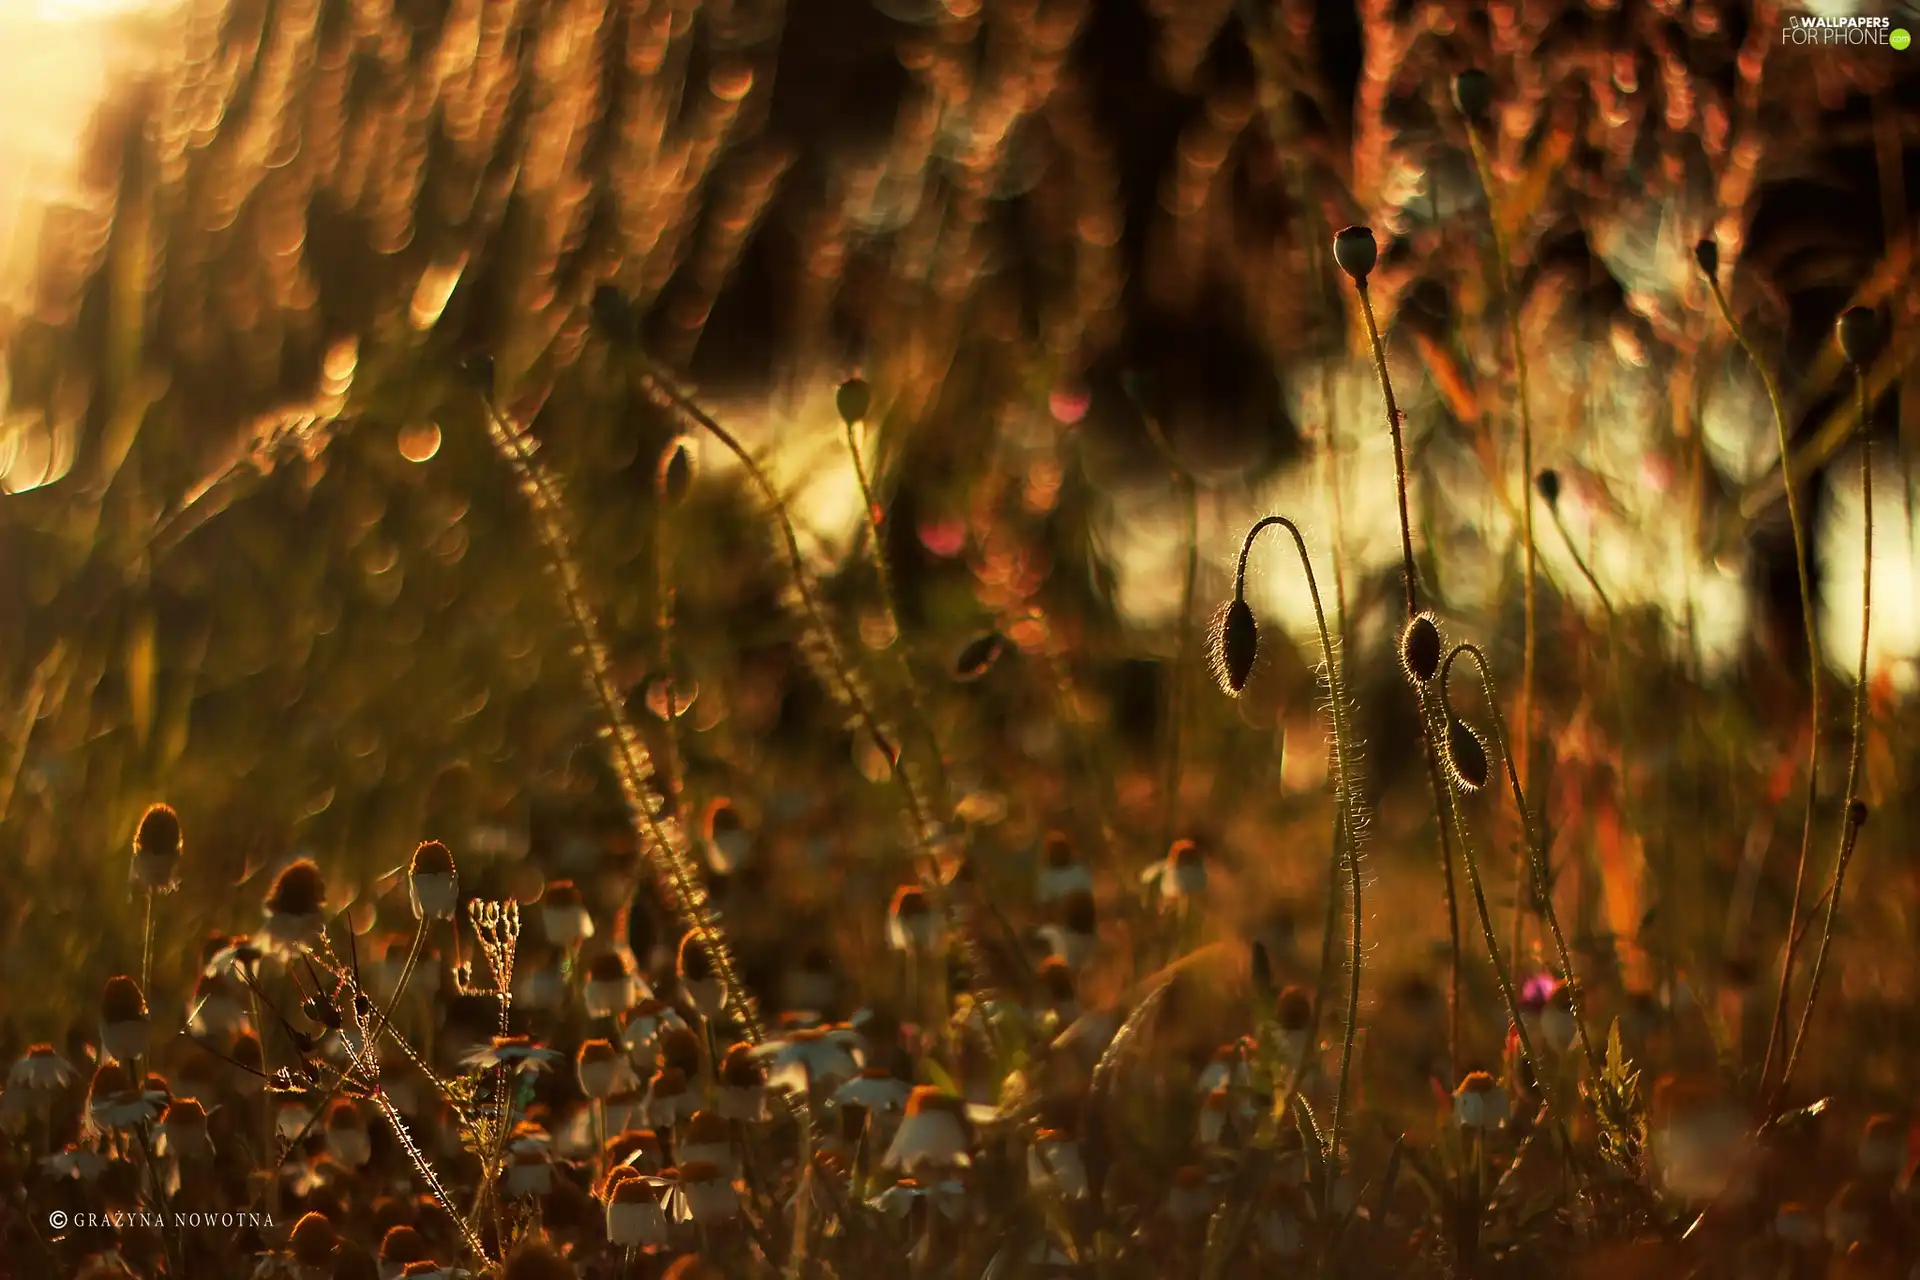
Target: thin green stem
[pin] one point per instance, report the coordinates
(1777, 1028)
(1850, 829)
(1505, 278)
(877, 557)
(1347, 806)
(1409, 579)
(1530, 843)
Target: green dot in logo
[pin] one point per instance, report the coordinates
(1900, 39)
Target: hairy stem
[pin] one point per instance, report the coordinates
(1347, 805)
(1777, 1027)
(1850, 831)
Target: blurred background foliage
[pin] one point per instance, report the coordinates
(256, 558)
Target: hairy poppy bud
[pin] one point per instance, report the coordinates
(1236, 644)
(1473, 94)
(1466, 758)
(1356, 251)
(1707, 254)
(1859, 332)
(1420, 648)
(853, 400)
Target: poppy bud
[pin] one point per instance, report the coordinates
(1473, 94)
(853, 400)
(1859, 332)
(1236, 643)
(1466, 758)
(1707, 254)
(1547, 485)
(1355, 250)
(1420, 648)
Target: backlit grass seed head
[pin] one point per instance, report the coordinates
(564, 915)
(1466, 757)
(125, 1029)
(1473, 94)
(673, 477)
(156, 849)
(1233, 642)
(295, 906)
(1480, 1103)
(1356, 252)
(1858, 331)
(433, 883)
(854, 400)
(1420, 648)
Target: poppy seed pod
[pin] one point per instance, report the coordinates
(1356, 252)
(853, 400)
(1858, 330)
(1473, 94)
(1238, 641)
(1707, 254)
(1420, 648)
(433, 884)
(1466, 758)
(673, 479)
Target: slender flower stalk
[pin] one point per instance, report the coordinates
(1236, 643)
(854, 401)
(1530, 844)
(1797, 519)
(1465, 96)
(1853, 340)
(1356, 252)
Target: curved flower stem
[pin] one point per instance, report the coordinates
(1850, 831)
(1410, 584)
(1408, 578)
(1530, 842)
(1777, 1028)
(1504, 263)
(1347, 806)
(877, 555)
